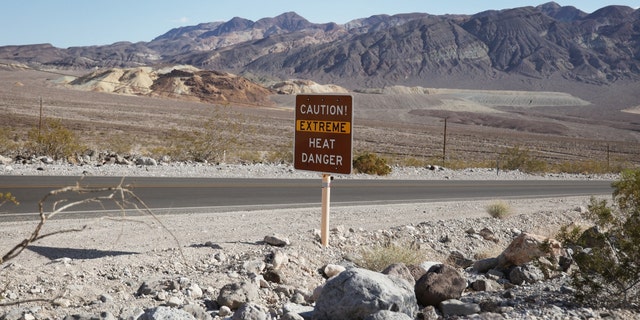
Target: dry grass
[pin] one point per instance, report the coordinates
(380, 256)
(499, 209)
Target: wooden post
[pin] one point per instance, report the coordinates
(326, 206)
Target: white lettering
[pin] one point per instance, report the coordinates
(323, 109)
(321, 143)
(318, 158)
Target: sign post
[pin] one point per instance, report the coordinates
(323, 142)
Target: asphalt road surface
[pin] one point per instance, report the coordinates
(189, 195)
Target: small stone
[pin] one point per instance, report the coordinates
(276, 240)
(224, 311)
(161, 296)
(279, 259)
(62, 302)
(105, 297)
(174, 302)
(194, 291)
(332, 270)
(454, 307)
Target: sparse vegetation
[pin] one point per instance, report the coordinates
(7, 141)
(53, 139)
(499, 209)
(207, 144)
(609, 266)
(6, 198)
(380, 256)
(370, 163)
(516, 158)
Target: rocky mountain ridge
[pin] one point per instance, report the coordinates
(522, 47)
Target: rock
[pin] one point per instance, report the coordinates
(174, 301)
(526, 273)
(276, 240)
(224, 311)
(164, 313)
(292, 316)
(401, 271)
(146, 161)
(416, 271)
(357, 293)
(441, 282)
(458, 259)
(61, 302)
(251, 311)
(387, 315)
(332, 270)
(152, 287)
(197, 312)
(484, 265)
(527, 247)
(272, 276)
(485, 285)
(5, 160)
(194, 291)
(254, 266)
(235, 294)
(105, 298)
(278, 259)
(46, 160)
(488, 234)
(454, 307)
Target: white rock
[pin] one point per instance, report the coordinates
(332, 270)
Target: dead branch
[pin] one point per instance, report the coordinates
(119, 194)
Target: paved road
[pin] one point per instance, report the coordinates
(183, 195)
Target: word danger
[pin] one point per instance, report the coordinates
(319, 158)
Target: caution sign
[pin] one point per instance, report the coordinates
(323, 133)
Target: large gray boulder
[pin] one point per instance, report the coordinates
(357, 293)
(440, 283)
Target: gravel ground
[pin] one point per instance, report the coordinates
(97, 272)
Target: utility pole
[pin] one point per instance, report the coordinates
(40, 121)
(444, 144)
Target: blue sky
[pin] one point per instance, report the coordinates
(66, 23)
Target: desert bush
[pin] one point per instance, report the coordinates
(7, 141)
(6, 198)
(371, 163)
(520, 159)
(380, 256)
(282, 154)
(499, 209)
(223, 131)
(609, 269)
(53, 140)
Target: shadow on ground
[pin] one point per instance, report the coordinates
(57, 253)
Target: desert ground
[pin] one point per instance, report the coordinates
(396, 122)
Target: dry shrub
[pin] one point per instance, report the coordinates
(499, 209)
(379, 257)
(371, 163)
(53, 139)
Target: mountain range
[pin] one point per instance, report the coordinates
(531, 48)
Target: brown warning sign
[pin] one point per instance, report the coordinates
(323, 133)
